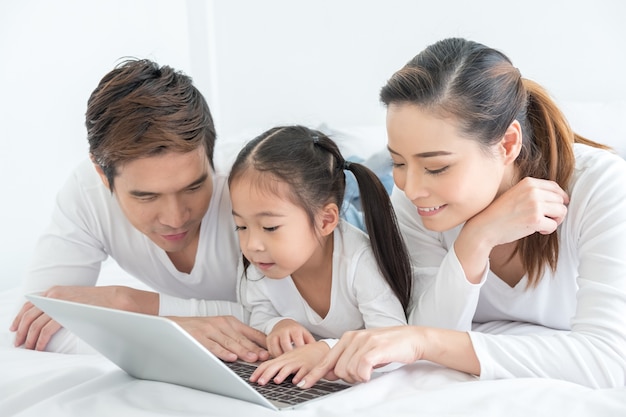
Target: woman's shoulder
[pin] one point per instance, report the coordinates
(598, 179)
(589, 158)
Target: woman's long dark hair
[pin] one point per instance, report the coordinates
(313, 167)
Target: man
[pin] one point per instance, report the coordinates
(150, 199)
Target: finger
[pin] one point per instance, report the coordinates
(46, 333)
(235, 338)
(309, 338)
(301, 373)
(18, 318)
(273, 346)
(286, 343)
(34, 331)
(258, 372)
(556, 212)
(256, 336)
(268, 372)
(24, 327)
(218, 350)
(285, 372)
(323, 368)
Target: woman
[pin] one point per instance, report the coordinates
(514, 224)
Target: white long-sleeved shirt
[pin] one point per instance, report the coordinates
(584, 300)
(88, 226)
(360, 296)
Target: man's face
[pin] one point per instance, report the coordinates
(166, 196)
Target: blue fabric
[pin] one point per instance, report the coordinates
(380, 164)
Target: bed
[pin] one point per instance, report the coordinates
(51, 384)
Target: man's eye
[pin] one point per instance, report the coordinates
(146, 198)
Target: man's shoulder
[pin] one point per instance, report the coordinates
(84, 176)
(84, 191)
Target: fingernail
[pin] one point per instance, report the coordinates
(301, 384)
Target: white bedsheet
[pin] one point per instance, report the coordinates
(50, 384)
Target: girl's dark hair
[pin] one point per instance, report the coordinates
(479, 88)
(313, 167)
(140, 109)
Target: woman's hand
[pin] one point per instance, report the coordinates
(298, 361)
(530, 206)
(359, 352)
(287, 335)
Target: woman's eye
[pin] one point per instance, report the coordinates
(270, 229)
(238, 228)
(437, 171)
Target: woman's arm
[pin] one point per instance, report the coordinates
(358, 353)
(437, 273)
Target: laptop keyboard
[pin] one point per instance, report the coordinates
(286, 392)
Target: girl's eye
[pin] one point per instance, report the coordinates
(238, 228)
(397, 164)
(270, 229)
(437, 171)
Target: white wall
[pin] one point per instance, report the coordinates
(53, 54)
(325, 60)
(261, 63)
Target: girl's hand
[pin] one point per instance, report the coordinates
(299, 361)
(287, 335)
(359, 352)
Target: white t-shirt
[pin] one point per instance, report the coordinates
(360, 296)
(88, 226)
(584, 301)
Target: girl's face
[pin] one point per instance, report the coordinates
(449, 178)
(275, 235)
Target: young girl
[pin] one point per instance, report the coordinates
(514, 223)
(308, 274)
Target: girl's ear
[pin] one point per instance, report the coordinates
(328, 219)
(511, 143)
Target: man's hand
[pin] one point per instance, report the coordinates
(226, 337)
(34, 329)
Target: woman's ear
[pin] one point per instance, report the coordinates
(511, 143)
(328, 219)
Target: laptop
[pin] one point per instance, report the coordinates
(156, 348)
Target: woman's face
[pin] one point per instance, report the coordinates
(449, 178)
